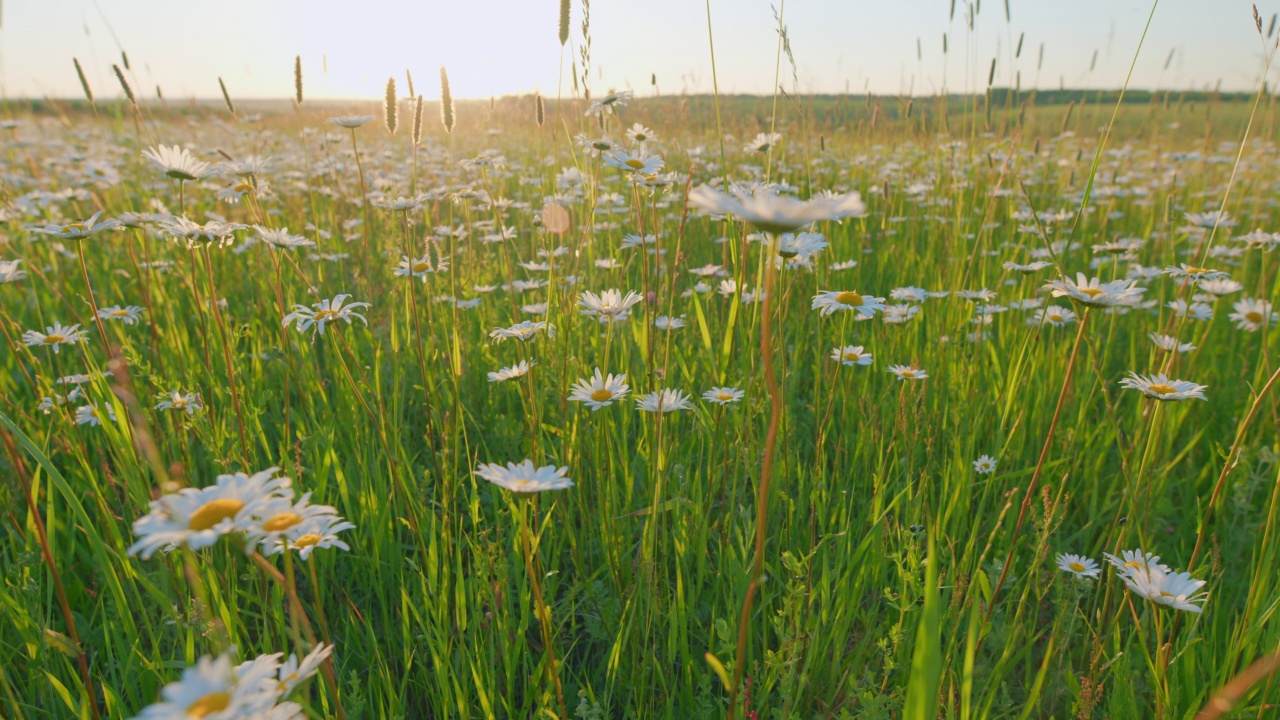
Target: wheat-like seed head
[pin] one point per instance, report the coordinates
(297, 79)
(84, 82)
(128, 91)
(539, 110)
(389, 114)
(564, 22)
(446, 102)
(227, 96)
(417, 123)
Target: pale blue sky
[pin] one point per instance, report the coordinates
(496, 47)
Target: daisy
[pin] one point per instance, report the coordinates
(1219, 288)
(129, 315)
(1078, 565)
(177, 400)
(905, 372)
(1095, 293)
(91, 415)
(10, 272)
(909, 294)
(606, 104)
(599, 390)
(636, 161)
(1195, 311)
(640, 134)
(520, 369)
(762, 142)
(1168, 343)
(525, 331)
(314, 533)
(421, 267)
(54, 337)
(178, 163)
(1053, 315)
(1032, 267)
(325, 311)
(851, 355)
(197, 517)
(632, 241)
(293, 673)
(829, 301)
(664, 322)
(1133, 560)
(1176, 590)
(214, 689)
(1160, 387)
(723, 395)
(609, 305)
(280, 237)
(775, 213)
(1251, 315)
(525, 478)
(800, 245)
(350, 122)
(79, 230)
(984, 465)
(1195, 274)
(663, 401)
(274, 517)
(197, 235)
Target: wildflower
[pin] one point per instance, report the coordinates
(827, 302)
(599, 390)
(723, 395)
(631, 241)
(523, 331)
(800, 245)
(177, 400)
(905, 372)
(1160, 387)
(663, 401)
(10, 272)
(775, 213)
(197, 235)
(280, 237)
(79, 230)
(326, 311)
(520, 369)
(196, 518)
(762, 142)
(605, 105)
(54, 337)
(525, 478)
(421, 267)
(909, 294)
(1195, 274)
(1253, 314)
(1031, 267)
(1175, 590)
(91, 415)
(635, 161)
(640, 134)
(1078, 565)
(1218, 288)
(129, 315)
(350, 122)
(1053, 315)
(664, 322)
(314, 533)
(851, 355)
(609, 305)
(1195, 311)
(984, 465)
(1094, 293)
(178, 163)
(1169, 343)
(293, 673)
(214, 689)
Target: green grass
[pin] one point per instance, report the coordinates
(432, 612)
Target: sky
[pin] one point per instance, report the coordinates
(507, 47)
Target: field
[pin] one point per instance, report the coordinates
(897, 416)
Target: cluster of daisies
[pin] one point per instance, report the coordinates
(263, 514)
(1145, 576)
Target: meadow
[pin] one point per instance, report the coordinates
(271, 376)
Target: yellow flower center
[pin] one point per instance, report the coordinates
(209, 704)
(1162, 389)
(119, 313)
(908, 373)
(849, 297)
(724, 396)
(283, 521)
(1076, 567)
(179, 403)
(54, 339)
(325, 315)
(852, 356)
(243, 187)
(75, 228)
(1136, 565)
(1253, 316)
(1055, 318)
(1196, 270)
(602, 395)
(634, 163)
(421, 266)
(1092, 292)
(307, 540)
(212, 513)
(1166, 593)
